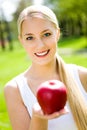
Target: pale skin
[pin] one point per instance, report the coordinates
(39, 37)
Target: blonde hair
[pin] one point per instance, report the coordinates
(76, 101)
(75, 98)
(37, 11)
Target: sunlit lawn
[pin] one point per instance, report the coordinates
(77, 59)
(13, 63)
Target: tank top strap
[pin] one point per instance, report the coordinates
(28, 97)
(75, 74)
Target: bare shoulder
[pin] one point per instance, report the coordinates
(12, 96)
(83, 76)
(11, 89)
(17, 111)
(82, 72)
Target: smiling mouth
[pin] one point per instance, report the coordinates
(41, 54)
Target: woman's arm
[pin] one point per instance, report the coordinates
(38, 123)
(19, 116)
(83, 76)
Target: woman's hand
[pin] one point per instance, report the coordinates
(39, 113)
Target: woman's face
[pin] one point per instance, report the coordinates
(39, 38)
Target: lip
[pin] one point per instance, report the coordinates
(42, 54)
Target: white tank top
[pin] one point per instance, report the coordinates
(65, 122)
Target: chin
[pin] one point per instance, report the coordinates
(45, 62)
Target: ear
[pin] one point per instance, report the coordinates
(20, 38)
(58, 34)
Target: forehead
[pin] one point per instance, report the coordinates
(30, 24)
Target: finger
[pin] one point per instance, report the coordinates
(37, 110)
(64, 110)
(57, 114)
(39, 113)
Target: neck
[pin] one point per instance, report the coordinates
(43, 72)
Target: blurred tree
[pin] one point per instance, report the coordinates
(21, 5)
(9, 34)
(72, 16)
(2, 40)
(8, 29)
(5, 32)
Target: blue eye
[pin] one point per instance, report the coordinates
(29, 38)
(47, 34)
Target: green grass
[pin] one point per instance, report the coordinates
(11, 64)
(74, 43)
(76, 59)
(4, 121)
(14, 62)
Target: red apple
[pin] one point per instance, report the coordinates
(52, 96)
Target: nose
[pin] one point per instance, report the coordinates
(40, 43)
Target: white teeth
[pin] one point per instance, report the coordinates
(42, 54)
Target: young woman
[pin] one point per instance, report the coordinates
(39, 33)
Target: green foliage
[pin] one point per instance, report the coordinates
(72, 16)
(67, 7)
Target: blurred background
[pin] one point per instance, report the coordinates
(72, 46)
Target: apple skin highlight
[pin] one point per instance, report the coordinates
(52, 96)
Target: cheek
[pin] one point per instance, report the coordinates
(54, 45)
(53, 42)
(28, 49)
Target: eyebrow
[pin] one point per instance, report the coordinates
(45, 30)
(27, 34)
